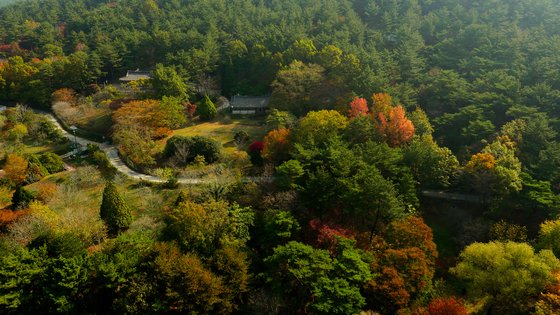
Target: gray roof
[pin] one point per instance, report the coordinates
(250, 101)
(133, 75)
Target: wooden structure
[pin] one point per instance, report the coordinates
(249, 105)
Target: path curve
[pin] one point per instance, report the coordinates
(117, 162)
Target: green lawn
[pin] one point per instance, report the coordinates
(223, 131)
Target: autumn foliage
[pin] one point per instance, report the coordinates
(358, 107)
(481, 162)
(395, 128)
(64, 95)
(405, 264)
(447, 306)
(16, 168)
(276, 145)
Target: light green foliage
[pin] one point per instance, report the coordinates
(167, 82)
(334, 282)
(52, 162)
(549, 236)
(277, 119)
(206, 109)
(205, 228)
(507, 168)
(114, 211)
(507, 273)
(319, 127)
(431, 165)
(174, 112)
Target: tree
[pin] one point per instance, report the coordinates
(447, 306)
(320, 126)
(276, 145)
(298, 88)
(167, 82)
(183, 150)
(506, 273)
(15, 168)
(358, 107)
(21, 198)
(280, 119)
(405, 262)
(114, 211)
(549, 236)
(329, 285)
(255, 153)
(395, 128)
(206, 109)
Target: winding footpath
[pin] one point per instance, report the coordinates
(117, 162)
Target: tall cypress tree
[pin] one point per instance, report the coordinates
(114, 211)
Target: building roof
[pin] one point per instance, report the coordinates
(250, 101)
(133, 75)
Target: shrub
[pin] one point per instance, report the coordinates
(184, 150)
(21, 198)
(207, 109)
(52, 162)
(255, 150)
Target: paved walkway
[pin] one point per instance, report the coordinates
(440, 194)
(117, 162)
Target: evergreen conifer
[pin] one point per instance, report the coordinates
(114, 211)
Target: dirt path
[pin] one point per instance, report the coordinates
(117, 162)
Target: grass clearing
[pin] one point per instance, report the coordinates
(223, 131)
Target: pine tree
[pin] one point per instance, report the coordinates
(114, 211)
(21, 198)
(207, 109)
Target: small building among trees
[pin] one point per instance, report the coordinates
(249, 105)
(135, 75)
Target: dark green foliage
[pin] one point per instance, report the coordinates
(59, 244)
(183, 150)
(114, 211)
(206, 109)
(21, 198)
(52, 162)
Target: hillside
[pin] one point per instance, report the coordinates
(389, 156)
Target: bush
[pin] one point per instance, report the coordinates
(52, 162)
(255, 150)
(206, 109)
(184, 150)
(21, 198)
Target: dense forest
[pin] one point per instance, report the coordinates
(409, 163)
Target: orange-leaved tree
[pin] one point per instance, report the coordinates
(405, 264)
(358, 107)
(276, 145)
(395, 128)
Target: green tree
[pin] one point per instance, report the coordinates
(114, 211)
(206, 109)
(506, 273)
(329, 285)
(167, 82)
(21, 198)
